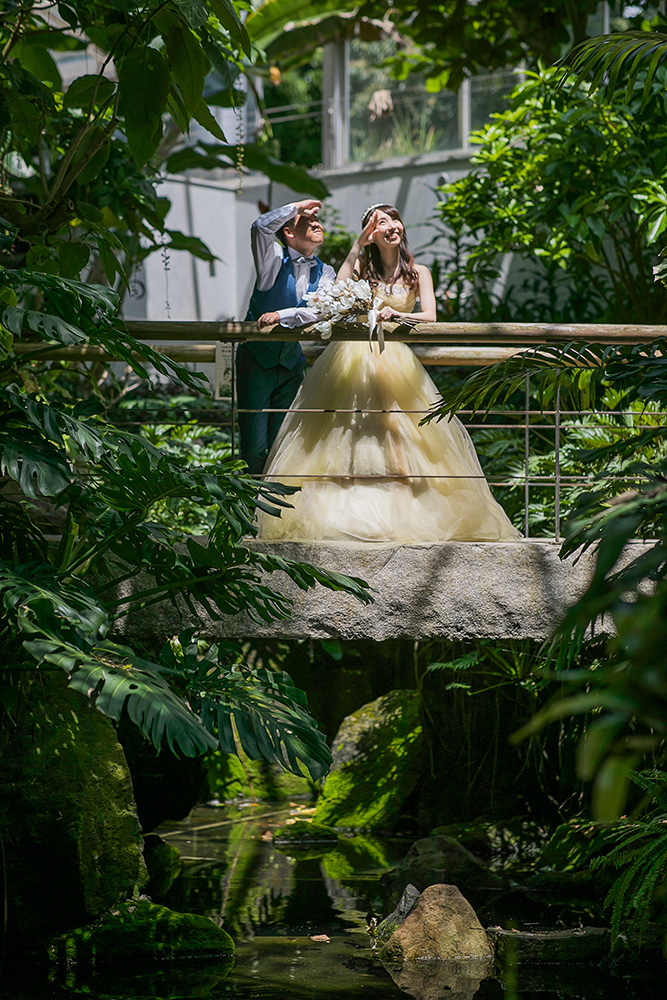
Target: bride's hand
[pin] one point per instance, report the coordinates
(387, 313)
(368, 231)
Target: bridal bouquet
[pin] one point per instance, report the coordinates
(341, 302)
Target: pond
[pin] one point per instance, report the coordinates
(300, 923)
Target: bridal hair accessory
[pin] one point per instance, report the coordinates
(369, 211)
(342, 301)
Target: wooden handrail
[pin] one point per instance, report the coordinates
(205, 353)
(467, 334)
(434, 343)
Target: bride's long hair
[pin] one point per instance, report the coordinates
(370, 262)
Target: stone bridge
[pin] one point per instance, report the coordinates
(449, 590)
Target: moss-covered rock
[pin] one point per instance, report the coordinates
(164, 865)
(68, 820)
(377, 757)
(406, 905)
(303, 832)
(140, 932)
(231, 778)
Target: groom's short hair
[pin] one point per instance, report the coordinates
(281, 232)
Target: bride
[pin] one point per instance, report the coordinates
(368, 471)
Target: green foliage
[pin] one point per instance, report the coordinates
(517, 664)
(338, 239)
(629, 58)
(625, 601)
(260, 708)
(638, 850)
(448, 40)
(292, 109)
(81, 164)
(80, 550)
(86, 539)
(563, 183)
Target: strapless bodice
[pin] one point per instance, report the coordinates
(397, 297)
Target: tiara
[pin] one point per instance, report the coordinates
(371, 208)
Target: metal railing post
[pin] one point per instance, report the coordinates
(557, 464)
(526, 443)
(233, 425)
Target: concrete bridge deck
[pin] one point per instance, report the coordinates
(450, 590)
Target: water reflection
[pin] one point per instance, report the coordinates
(299, 919)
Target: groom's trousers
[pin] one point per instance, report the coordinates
(261, 388)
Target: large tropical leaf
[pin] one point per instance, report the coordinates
(616, 59)
(36, 465)
(114, 678)
(21, 539)
(272, 18)
(260, 709)
(213, 156)
(39, 600)
(57, 423)
(95, 308)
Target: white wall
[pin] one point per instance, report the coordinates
(221, 215)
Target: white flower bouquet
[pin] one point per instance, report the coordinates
(342, 301)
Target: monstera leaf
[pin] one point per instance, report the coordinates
(261, 710)
(114, 678)
(42, 602)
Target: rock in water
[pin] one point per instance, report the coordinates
(377, 758)
(406, 905)
(443, 925)
(441, 860)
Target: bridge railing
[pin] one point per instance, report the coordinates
(444, 344)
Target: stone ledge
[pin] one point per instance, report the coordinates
(451, 590)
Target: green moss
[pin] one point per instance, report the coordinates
(303, 832)
(141, 932)
(164, 864)
(68, 819)
(376, 764)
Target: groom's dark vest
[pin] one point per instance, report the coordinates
(281, 295)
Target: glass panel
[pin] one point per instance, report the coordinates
(292, 123)
(395, 117)
(488, 94)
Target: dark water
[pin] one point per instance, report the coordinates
(300, 926)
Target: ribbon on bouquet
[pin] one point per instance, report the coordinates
(375, 327)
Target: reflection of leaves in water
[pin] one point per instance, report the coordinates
(354, 856)
(173, 981)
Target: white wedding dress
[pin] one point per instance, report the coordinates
(367, 471)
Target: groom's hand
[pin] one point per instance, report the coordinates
(308, 208)
(268, 319)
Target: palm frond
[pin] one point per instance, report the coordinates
(547, 366)
(622, 56)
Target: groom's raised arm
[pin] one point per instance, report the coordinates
(266, 251)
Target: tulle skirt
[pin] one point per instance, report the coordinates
(368, 472)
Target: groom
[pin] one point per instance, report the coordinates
(269, 374)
